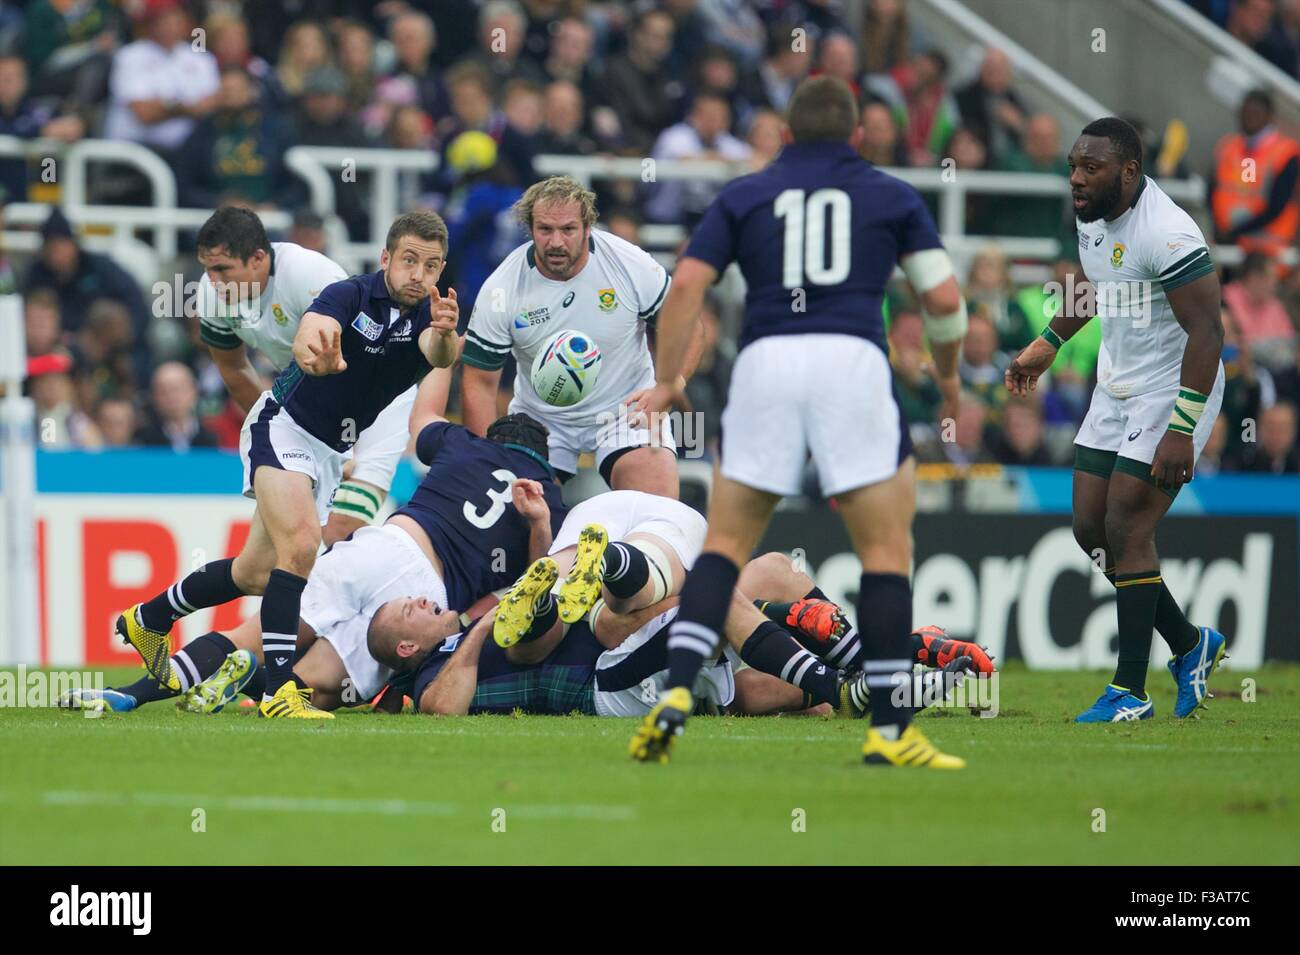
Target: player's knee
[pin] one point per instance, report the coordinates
(250, 573)
(1090, 534)
(298, 555)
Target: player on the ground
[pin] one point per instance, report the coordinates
(817, 235)
(573, 276)
(253, 294)
(1159, 388)
(362, 343)
(483, 511)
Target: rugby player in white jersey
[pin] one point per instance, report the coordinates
(571, 276)
(1159, 389)
(253, 294)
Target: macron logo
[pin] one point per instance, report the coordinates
(103, 908)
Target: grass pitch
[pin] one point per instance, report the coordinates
(366, 788)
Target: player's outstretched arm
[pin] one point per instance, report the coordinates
(478, 396)
(675, 331)
(317, 345)
(439, 342)
(242, 380)
(452, 690)
(430, 402)
(944, 310)
(530, 502)
(1196, 306)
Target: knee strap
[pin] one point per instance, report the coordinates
(661, 568)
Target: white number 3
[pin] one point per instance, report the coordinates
(499, 498)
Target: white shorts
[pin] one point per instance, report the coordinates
(716, 682)
(270, 437)
(626, 512)
(380, 447)
(612, 433)
(831, 395)
(1132, 427)
(348, 585)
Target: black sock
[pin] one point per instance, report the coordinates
(844, 654)
(209, 586)
(885, 600)
(280, 605)
(200, 658)
(545, 613)
(625, 569)
(694, 635)
(770, 649)
(815, 594)
(256, 684)
(1171, 623)
(147, 690)
(1136, 596)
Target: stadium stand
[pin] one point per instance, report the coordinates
(457, 105)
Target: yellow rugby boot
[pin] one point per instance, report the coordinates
(289, 702)
(154, 646)
(516, 610)
(581, 588)
(910, 749)
(654, 737)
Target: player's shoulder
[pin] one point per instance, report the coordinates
(1159, 214)
(294, 261)
(627, 255)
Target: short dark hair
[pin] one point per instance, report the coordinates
(822, 108)
(1124, 139)
(522, 430)
(422, 223)
(236, 229)
(1261, 96)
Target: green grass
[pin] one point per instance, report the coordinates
(400, 789)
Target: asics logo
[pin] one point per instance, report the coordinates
(1134, 435)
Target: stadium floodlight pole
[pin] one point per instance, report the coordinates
(19, 642)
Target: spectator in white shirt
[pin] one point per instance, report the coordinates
(160, 85)
(702, 136)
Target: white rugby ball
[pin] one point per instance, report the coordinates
(566, 369)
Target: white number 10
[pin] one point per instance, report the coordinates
(805, 236)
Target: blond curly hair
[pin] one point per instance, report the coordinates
(561, 189)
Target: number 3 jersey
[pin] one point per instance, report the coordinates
(817, 235)
(464, 505)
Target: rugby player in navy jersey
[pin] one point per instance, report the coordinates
(361, 344)
(817, 235)
(485, 509)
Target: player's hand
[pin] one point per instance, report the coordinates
(326, 357)
(445, 310)
(1026, 368)
(644, 404)
(1174, 461)
(529, 501)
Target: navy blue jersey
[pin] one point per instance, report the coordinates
(560, 684)
(821, 219)
(463, 503)
(380, 343)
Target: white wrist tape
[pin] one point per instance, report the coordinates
(940, 329)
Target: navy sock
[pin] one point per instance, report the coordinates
(280, 605)
(694, 635)
(147, 690)
(1136, 596)
(200, 658)
(886, 601)
(625, 569)
(770, 649)
(545, 613)
(209, 586)
(256, 684)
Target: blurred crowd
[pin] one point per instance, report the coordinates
(220, 89)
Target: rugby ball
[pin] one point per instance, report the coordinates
(565, 370)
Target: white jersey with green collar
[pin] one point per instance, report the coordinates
(518, 309)
(1132, 261)
(269, 321)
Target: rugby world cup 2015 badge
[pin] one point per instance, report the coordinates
(608, 300)
(368, 327)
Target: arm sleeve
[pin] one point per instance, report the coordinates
(649, 282)
(714, 239)
(487, 339)
(431, 440)
(916, 230)
(215, 330)
(1178, 254)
